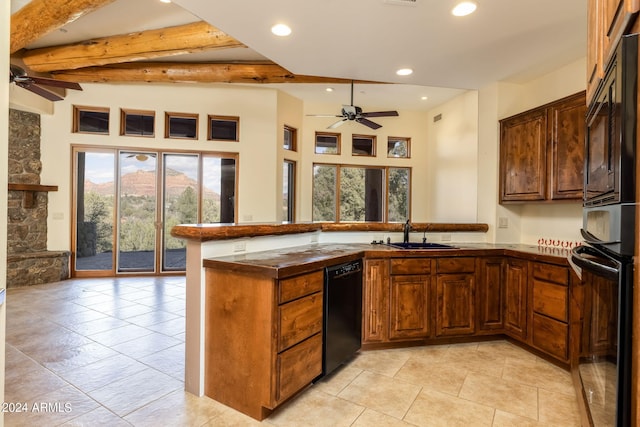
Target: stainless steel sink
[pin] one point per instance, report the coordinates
(416, 245)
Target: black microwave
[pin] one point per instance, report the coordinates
(609, 174)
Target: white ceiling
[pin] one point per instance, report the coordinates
(504, 40)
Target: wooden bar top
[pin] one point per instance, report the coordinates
(208, 232)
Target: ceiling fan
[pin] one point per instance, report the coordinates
(19, 76)
(355, 113)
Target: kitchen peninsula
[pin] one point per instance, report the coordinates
(411, 297)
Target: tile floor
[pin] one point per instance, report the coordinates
(110, 352)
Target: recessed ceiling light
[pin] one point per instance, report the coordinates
(464, 8)
(165, 1)
(329, 89)
(281, 30)
(404, 72)
(424, 98)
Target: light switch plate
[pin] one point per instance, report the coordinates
(503, 222)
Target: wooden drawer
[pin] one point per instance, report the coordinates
(297, 367)
(410, 266)
(456, 265)
(299, 286)
(550, 299)
(299, 319)
(551, 336)
(551, 273)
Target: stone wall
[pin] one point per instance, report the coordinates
(28, 261)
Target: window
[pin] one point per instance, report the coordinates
(363, 145)
(366, 193)
(223, 128)
(137, 123)
(290, 138)
(324, 192)
(399, 147)
(327, 143)
(288, 190)
(181, 125)
(90, 120)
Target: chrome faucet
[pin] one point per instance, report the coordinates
(405, 229)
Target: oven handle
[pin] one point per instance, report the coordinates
(590, 238)
(582, 262)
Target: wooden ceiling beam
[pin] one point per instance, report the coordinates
(144, 45)
(40, 17)
(170, 72)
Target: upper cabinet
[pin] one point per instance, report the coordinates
(607, 21)
(542, 152)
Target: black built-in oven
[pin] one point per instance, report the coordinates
(605, 261)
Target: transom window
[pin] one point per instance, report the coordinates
(363, 145)
(399, 147)
(290, 138)
(181, 125)
(223, 128)
(90, 120)
(327, 143)
(137, 123)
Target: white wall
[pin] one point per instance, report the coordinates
(257, 109)
(452, 161)
(530, 221)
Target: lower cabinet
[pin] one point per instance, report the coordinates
(549, 286)
(263, 338)
(515, 284)
(490, 295)
(408, 299)
(409, 309)
(375, 305)
(455, 286)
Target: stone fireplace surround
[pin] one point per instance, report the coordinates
(28, 260)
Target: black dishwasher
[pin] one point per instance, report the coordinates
(342, 332)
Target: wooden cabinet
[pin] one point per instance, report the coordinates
(542, 152)
(375, 306)
(607, 21)
(490, 295)
(263, 338)
(409, 308)
(515, 283)
(550, 309)
(396, 300)
(455, 286)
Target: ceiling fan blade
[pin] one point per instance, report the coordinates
(368, 123)
(41, 91)
(55, 83)
(336, 124)
(380, 114)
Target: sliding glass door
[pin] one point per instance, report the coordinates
(127, 201)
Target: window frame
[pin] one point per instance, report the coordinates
(167, 124)
(77, 109)
(291, 186)
(293, 146)
(124, 112)
(373, 140)
(233, 119)
(338, 137)
(406, 140)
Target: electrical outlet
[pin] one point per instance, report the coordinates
(239, 247)
(314, 238)
(503, 222)
(58, 215)
(445, 238)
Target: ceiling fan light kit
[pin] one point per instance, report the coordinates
(355, 113)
